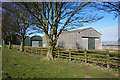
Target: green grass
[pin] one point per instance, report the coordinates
(25, 65)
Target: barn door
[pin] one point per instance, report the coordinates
(35, 43)
(91, 43)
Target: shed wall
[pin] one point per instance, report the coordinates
(77, 40)
(27, 41)
(67, 40)
(84, 43)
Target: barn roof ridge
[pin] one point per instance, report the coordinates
(80, 30)
(35, 36)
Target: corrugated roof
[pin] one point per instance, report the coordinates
(80, 30)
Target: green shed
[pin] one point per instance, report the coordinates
(36, 41)
(27, 41)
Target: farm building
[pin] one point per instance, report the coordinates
(34, 41)
(87, 38)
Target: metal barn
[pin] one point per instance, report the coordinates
(36, 41)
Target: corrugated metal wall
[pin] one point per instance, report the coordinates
(27, 41)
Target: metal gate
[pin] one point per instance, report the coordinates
(91, 43)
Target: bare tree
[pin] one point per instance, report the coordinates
(53, 18)
(110, 7)
(8, 28)
(20, 16)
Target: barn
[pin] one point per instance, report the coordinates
(87, 38)
(36, 41)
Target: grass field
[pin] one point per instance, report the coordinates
(25, 65)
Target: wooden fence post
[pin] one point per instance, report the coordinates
(117, 68)
(85, 55)
(11, 46)
(36, 50)
(117, 65)
(41, 50)
(15, 47)
(69, 54)
(24, 48)
(107, 55)
(27, 48)
(31, 49)
(58, 53)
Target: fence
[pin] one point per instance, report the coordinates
(111, 47)
(106, 58)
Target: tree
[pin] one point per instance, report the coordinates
(110, 7)
(52, 18)
(8, 28)
(19, 15)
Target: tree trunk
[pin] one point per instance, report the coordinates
(22, 45)
(50, 48)
(50, 53)
(9, 47)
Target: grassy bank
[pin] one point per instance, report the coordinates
(25, 65)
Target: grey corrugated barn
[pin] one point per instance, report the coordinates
(87, 38)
